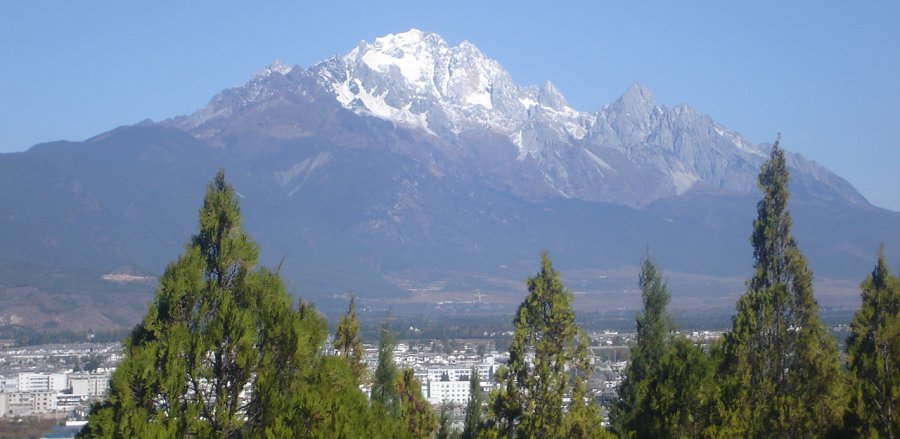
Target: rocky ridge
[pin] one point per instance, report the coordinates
(630, 152)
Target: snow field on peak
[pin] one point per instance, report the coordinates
(469, 88)
(377, 106)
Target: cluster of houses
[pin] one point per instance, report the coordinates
(55, 379)
(444, 374)
(26, 393)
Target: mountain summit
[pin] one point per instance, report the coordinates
(416, 79)
(631, 152)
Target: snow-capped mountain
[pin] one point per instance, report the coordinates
(410, 165)
(632, 151)
(416, 79)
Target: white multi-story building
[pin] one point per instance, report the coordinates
(438, 392)
(89, 384)
(457, 373)
(442, 384)
(36, 382)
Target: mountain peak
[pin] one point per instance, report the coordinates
(413, 54)
(416, 79)
(407, 41)
(638, 95)
(275, 67)
(550, 96)
(637, 105)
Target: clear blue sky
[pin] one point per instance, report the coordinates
(826, 74)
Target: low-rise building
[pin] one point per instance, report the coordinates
(27, 403)
(90, 384)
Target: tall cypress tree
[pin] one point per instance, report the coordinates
(681, 395)
(348, 342)
(630, 415)
(218, 327)
(472, 422)
(416, 414)
(384, 388)
(200, 345)
(532, 388)
(873, 356)
(783, 369)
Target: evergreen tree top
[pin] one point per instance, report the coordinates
(772, 242)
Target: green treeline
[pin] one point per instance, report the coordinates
(223, 352)
(778, 372)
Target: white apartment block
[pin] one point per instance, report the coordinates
(457, 373)
(32, 393)
(36, 382)
(89, 384)
(438, 392)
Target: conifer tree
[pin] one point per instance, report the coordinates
(218, 327)
(873, 356)
(384, 388)
(309, 395)
(416, 414)
(472, 422)
(530, 400)
(681, 395)
(348, 342)
(783, 373)
(582, 419)
(631, 412)
(197, 348)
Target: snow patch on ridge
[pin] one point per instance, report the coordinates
(528, 102)
(739, 142)
(378, 107)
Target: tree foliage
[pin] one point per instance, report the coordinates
(198, 346)
(472, 422)
(783, 376)
(416, 413)
(222, 353)
(384, 388)
(681, 395)
(348, 342)
(630, 414)
(529, 402)
(873, 356)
